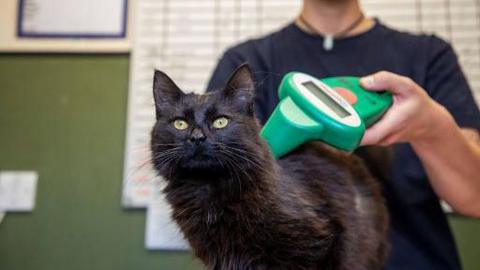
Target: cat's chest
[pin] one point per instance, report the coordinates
(220, 210)
(217, 213)
(236, 225)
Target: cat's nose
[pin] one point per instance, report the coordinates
(197, 137)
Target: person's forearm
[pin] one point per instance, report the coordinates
(452, 163)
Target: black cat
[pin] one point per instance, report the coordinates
(315, 208)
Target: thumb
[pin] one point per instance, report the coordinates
(387, 81)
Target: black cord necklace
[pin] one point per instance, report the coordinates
(329, 39)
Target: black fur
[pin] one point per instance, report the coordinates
(316, 208)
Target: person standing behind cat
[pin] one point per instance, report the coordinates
(432, 127)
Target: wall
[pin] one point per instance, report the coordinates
(64, 116)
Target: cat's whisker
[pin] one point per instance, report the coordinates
(156, 157)
(167, 151)
(147, 147)
(167, 144)
(243, 151)
(141, 166)
(249, 158)
(237, 167)
(232, 171)
(231, 167)
(238, 156)
(174, 165)
(254, 158)
(167, 158)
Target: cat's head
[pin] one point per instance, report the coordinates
(215, 131)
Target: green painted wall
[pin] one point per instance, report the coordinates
(64, 116)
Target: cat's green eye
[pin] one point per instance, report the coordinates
(180, 124)
(220, 122)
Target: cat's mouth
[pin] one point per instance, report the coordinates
(202, 161)
(200, 157)
(198, 152)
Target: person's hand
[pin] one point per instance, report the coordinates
(413, 117)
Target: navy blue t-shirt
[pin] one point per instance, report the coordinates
(419, 232)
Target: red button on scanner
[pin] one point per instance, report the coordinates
(347, 95)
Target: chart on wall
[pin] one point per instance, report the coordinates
(185, 38)
(65, 25)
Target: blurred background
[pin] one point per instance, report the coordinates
(76, 108)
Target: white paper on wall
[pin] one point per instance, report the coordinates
(86, 18)
(17, 190)
(160, 231)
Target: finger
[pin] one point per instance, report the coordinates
(389, 139)
(387, 81)
(371, 138)
(380, 130)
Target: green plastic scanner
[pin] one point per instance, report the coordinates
(333, 110)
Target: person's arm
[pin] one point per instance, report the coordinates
(450, 155)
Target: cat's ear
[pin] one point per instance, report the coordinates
(240, 79)
(165, 91)
(240, 88)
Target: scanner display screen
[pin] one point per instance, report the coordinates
(326, 99)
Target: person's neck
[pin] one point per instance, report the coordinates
(330, 17)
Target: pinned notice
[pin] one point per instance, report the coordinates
(17, 190)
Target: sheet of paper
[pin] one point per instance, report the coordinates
(85, 18)
(17, 190)
(160, 231)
